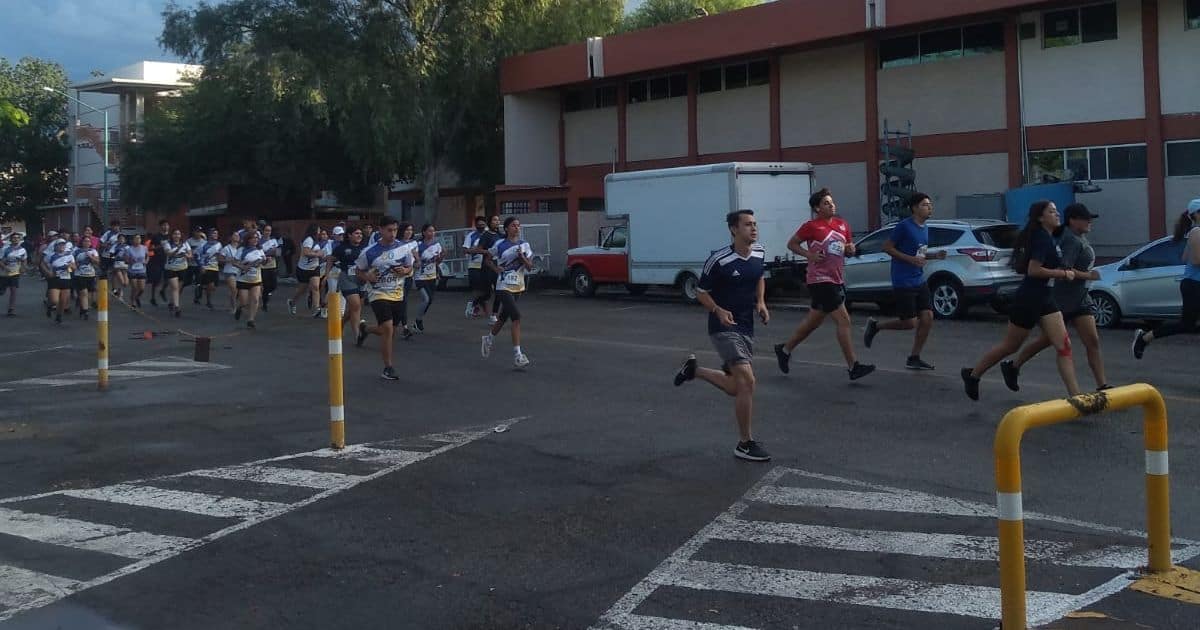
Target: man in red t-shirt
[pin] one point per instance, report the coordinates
(825, 241)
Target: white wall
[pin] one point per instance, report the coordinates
(848, 182)
(822, 99)
(591, 136)
(945, 96)
(589, 223)
(1180, 190)
(1178, 51)
(1124, 220)
(734, 120)
(1092, 82)
(531, 138)
(656, 129)
(945, 178)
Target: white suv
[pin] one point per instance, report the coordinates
(976, 269)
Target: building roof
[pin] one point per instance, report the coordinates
(783, 24)
(148, 75)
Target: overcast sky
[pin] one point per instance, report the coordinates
(86, 35)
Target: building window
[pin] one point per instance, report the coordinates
(977, 39)
(1091, 163)
(552, 205)
(657, 88)
(514, 207)
(638, 91)
(734, 76)
(1183, 158)
(1193, 14)
(590, 98)
(1082, 25)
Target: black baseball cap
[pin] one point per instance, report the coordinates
(1079, 211)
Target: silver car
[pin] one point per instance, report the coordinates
(1143, 285)
(976, 269)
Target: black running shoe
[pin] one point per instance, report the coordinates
(58, 319)
(250, 324)
(49, 309)
(872, 330)
(915, 363)
(83, 315)
(751, 451)
(783, 358)
(1104, 387)
(10, 313)
(152, 301)
(687, 372)
(1139, 343)
(405, 333)
(237, 313)
(970, 384)
(362, 334)
(421, 325)
(860, 370)
(389, 374)
(1011, 375)
(178, 312)
(138, 302)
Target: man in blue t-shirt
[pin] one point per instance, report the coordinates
(733, 291)
(908, 246)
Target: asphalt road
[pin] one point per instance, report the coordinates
(611, 499)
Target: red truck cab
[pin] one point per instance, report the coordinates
(606, 263)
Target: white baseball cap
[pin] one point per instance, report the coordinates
(1194, 206)
(339, 230)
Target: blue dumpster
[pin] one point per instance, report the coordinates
(1018, 200)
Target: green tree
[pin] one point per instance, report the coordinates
(655, 12)
(33, 147)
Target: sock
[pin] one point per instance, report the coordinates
(516, 349)
(490, 336)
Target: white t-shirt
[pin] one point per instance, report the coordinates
(85, 262)
(206, 255)
(505, 253)
(308, 263)
(270, 249)
(136, 256)
(176, 256)
(61, 264)
(428, 269)
(229, 253)
(471, 241)
(255, 258)
(12, 256)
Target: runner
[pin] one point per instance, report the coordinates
(411, 245)
(476, 276)
(45, 255)
(120, 268)
(136, 256)
(431, 254)
(330, 271)
(209, 259)
(270, 268)
(13, 260)
(384, 265)
(87, 265)
(175, 267)
(1189, 286)
(1039, 259)
(733, 291)
(908, 246)
(229, 270)
(62, 264)
(194, 269)
(249, 280)
(510, 259)
(308, 270)
(825, 241)
(108, 241)
(1072, 296)
(155, 267)
(345, 255)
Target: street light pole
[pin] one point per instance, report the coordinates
(104, 192)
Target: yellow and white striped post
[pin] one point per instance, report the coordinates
(1008, 481)
(337, 408)
(102, 334)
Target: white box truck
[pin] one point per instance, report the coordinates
(675, 218)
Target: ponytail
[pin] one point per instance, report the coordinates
(1183, 226)
(1020, 255)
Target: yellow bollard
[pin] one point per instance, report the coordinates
(1008, 481)
(102, 333)
(337, 408)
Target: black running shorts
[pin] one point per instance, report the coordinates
(827, 296)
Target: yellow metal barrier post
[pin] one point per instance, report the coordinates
(1008, 481)
(337, 408)
(102, 334)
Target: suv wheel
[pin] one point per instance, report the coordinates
(947, 294)
(582, 283)
(1105, 309)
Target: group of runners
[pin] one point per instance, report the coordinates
(1052, 254)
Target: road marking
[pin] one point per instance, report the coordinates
(19, 588)
(283, 476)
(22, 589)
(148, 368)
(69, 532)
(37, 350)
(683, 570)
(194, 502)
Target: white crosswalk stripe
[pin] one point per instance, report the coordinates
(23, 588)
(149, 368)
(1102, 569)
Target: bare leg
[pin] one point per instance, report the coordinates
(174, 288)
(83, 299)
(718, 379)
(1014, 336)
(924, 327)
(841, 317)
(1032, 349)
(812, 322)
(254, 295)
(1054, 328)
(1085, 325)
(743, 404)
(515, 331)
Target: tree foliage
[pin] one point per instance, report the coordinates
(33, 148)
(656, 12)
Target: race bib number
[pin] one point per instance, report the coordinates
(511, 279)
(63, 274)
(85, 270)
(138, 267)
(428, 269)
(12, 268)
(836, 248)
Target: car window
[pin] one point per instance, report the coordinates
(873, 244)
(1002, 236)
(1164, 254)
(941, 237)
(617, 239)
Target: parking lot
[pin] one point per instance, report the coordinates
(585, 491)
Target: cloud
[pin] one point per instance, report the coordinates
(83, 35)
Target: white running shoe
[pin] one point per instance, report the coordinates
(470, 309)
(492, 319)
(486, 348)
(520, 360)
(324, 313)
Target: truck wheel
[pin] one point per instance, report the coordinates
(688, 287)
(948, 299)
(582, 283)
(636, 289)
